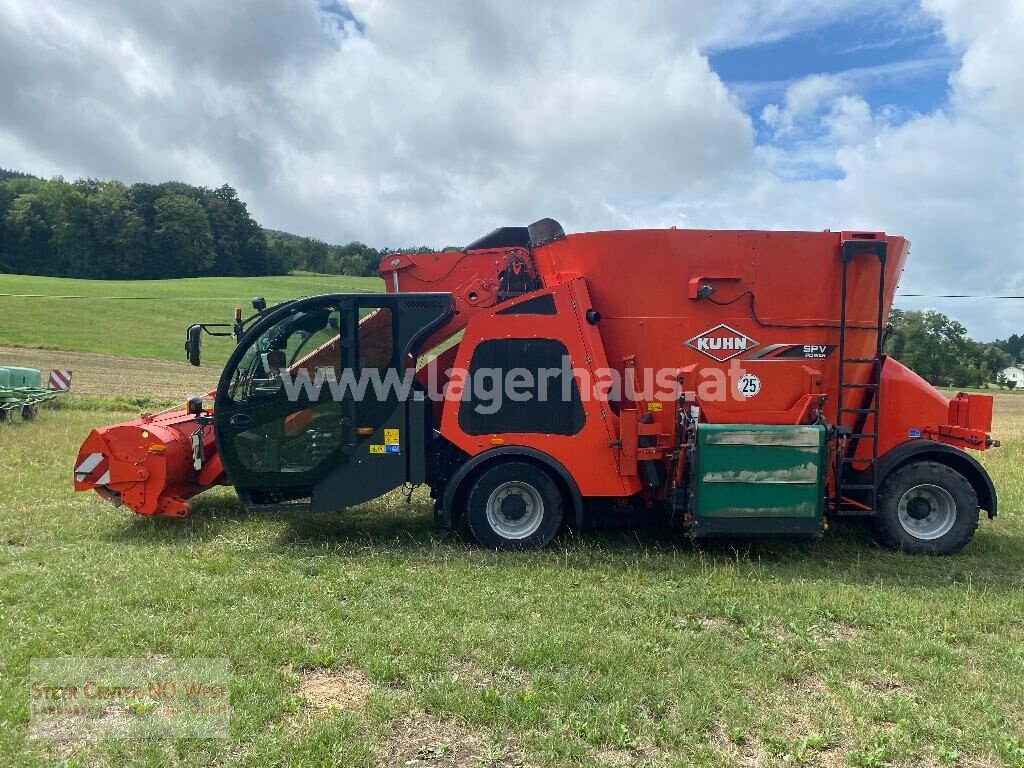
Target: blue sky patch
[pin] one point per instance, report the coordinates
(899, 61)
(338, 20)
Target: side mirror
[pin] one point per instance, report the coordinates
(193, 343)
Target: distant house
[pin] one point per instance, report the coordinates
(1014, 375)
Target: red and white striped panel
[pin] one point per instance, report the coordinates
(95, 469)
(60, 379)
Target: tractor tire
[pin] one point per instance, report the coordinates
(926, 508)
(513, 505)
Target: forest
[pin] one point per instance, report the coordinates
(109, 230)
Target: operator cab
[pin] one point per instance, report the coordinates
(317, 401)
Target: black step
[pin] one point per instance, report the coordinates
(859, 386)
(853, 460)
(847, 487)
(858, 410)
(855, 512)
(869, 435)
(285, 506)
(862, 360)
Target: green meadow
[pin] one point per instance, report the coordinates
(143, 318)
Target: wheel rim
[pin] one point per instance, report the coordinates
(927, 512)
(515, 510)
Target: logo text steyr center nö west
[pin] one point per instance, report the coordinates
(721, 343)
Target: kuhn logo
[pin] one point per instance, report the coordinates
(721, 343)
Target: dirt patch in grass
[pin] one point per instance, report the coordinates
(799, 742)
(324, 690)
(742, 750)
(614, 757)
(886, 686)
(469, 673)
(705, 624)
(982, 761)
(714, 623)
(835, 631)
(617, 757)
(66, 736)
(111, 375)
(420, 740)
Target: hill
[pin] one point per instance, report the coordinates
(143, 318)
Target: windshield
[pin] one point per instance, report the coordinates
(309, 340)
(279, 347)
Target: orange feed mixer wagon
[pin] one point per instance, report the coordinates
(733, 381)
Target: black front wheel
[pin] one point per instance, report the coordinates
(926, 508)
(513, 505)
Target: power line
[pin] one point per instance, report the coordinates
(950, 296)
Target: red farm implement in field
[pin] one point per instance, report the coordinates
(734, 381)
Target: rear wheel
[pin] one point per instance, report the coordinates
(926, 508)
(514, 505)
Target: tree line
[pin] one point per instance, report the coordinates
(937, 348)
(106, 229)
(312, 255)
(109, 230)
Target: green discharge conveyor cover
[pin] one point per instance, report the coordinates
(748, 471)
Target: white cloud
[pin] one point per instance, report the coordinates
(439, 123)
(806, 101)
(849, 120)
(952, 180)
(446, 119)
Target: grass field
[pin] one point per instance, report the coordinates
(151, 321)
(371, 637)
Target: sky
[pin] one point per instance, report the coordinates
(397, 122)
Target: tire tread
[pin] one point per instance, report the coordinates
(489, 477)
(890, 532)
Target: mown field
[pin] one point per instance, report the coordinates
(143, 318)
(372, 638)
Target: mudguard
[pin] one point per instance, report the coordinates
(958, 459)
(454, 485)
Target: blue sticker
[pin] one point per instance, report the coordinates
(915, 433)
(393, 448)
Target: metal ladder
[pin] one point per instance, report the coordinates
(859, 248)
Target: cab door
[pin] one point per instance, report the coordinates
(315, 390)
